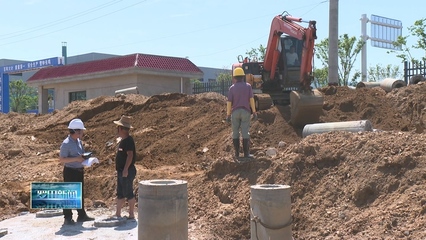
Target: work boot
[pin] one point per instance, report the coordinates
(246, 148)
(236, 142)
(85, 219)
(69, 221)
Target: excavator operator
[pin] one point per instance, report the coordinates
(292, 57)
(239, 106)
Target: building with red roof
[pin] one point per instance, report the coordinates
(148, 74)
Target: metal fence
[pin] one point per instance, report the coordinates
(221, 87)
(412, 69)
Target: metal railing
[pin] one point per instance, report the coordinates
(413, 69)
(221, 87)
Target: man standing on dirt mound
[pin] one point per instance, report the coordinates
(71, 155)
(240, 100)
(125, 167)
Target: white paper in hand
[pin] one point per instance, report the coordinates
(88, 162)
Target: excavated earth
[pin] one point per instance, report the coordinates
(364, 185)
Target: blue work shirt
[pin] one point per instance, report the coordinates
(239, 95)
(72, 148)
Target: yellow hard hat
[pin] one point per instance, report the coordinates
(238, 72)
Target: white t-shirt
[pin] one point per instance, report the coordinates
(291, 58)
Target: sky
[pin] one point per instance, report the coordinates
(210, 33)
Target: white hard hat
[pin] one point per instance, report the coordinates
(76, 124)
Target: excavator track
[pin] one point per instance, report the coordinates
(262, 101)
(306, 108)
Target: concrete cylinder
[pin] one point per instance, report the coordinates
(348, 126)
(390, 83)
(367, 85)
(270, 206)
(163, 210)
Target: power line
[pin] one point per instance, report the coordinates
(213, 27)
(315, 6)
(62, 20)
(229, 49)
(22, 40)
(137, 42)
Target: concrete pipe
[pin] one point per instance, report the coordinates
(131, 90)
(3, 232)
(270, 206)
(388, 84)
(348, 126)
(163, 210)
(367, 85)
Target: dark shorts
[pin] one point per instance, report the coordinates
(125, 184)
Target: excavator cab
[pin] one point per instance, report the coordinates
(305, 103)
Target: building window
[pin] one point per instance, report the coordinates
(74, 96)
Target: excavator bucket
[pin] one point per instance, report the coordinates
(262, 101)
(306, 108)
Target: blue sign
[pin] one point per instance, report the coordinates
(384, 32)
(4, 93)
(19, 68)
(22, 67)
(56, 195)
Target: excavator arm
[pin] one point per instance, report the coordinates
(305, 103)
(287, 24)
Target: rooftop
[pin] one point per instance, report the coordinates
(137, 60)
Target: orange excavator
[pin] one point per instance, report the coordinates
(285, 75)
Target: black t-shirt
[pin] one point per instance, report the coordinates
(127, 144)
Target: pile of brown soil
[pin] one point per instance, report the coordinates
(367, 185)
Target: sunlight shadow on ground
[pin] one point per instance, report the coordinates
(67, 230)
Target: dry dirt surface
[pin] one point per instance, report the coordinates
(366, 185)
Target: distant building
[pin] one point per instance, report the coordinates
(91, 75)
(149, 74)
(211, 74)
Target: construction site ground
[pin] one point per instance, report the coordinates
(364, 185)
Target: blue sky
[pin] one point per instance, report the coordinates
(210, 33)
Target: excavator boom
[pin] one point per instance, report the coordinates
(287, 24)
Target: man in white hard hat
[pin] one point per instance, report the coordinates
(71, 155)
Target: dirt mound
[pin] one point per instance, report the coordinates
(344, 185)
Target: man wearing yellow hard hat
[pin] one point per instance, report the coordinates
(239, 107)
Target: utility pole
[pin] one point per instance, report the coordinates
(364, 36)
(333, 39)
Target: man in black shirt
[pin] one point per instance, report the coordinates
(125, 166)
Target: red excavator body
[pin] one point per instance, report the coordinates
(286, 74)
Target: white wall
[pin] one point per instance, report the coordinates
(148, 85)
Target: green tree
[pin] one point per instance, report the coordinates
(378, 73)
(349, 48)
(196, 82)
(22, 96)
(224, 77)
(257, 54)
(417, 30)
(320, 77)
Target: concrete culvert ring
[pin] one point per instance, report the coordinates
(3, 232)
(110, 222)
(49, 213)
(266, 187)
(417, 78)
(399, 85)
(162, 182)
